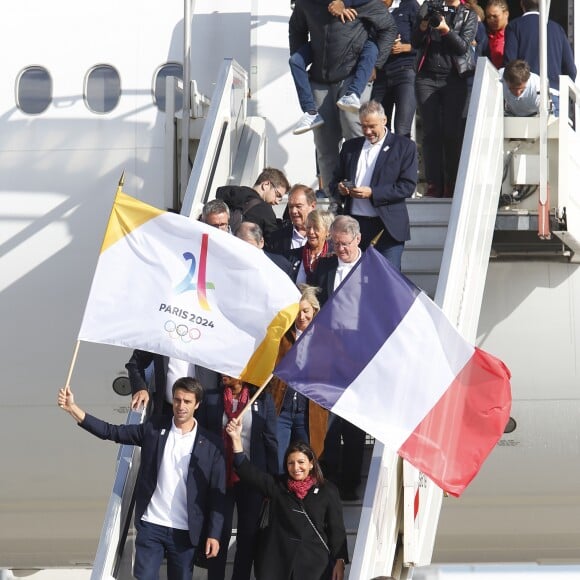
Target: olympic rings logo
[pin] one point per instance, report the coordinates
(181, 331)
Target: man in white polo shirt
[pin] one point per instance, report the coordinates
(181, 483)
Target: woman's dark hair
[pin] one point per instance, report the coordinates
(302, 447)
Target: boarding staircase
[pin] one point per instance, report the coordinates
(393, 528)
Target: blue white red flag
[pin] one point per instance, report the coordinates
(383, 356)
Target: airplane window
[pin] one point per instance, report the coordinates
(167, 70)
(102, 89)
(33, 90)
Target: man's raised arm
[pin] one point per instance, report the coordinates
(66, 401)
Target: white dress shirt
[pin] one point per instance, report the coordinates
(344, 269)
(298, 240)
(168, 505)
(364, 173)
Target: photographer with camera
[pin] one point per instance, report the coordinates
(443, 36)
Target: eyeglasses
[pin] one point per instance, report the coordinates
(341, 245)
(279, 194)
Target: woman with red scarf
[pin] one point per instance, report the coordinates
(317, 235)
(261, 447)
(305, 538)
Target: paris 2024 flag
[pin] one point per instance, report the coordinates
(171, 285)
(384, 357)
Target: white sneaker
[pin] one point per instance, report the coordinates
(307, 123)
(350, 103)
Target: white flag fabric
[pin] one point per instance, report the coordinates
(171, 285)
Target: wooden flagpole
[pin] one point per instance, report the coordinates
(256, 395)
(72, 366)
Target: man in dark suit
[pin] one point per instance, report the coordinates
(181, 483)
(152, 377)
(262, 448)
(301, 201)
(376, 174)
(343, 465)
(522, 37)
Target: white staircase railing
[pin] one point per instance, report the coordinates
(232, 145)
(231, 148)
(465, 261)
(569, 165)
(401, 507)
(118, 516)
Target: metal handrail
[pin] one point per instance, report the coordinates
(119, 509)
(388, 536)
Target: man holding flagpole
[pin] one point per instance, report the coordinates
(331, 271)
(173, 296)
(165, 371)
(181, 484)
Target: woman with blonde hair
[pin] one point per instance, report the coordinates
(317, 244)
(299, 419)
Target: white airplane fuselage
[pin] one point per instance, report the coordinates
(59, 170)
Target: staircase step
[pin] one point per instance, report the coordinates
(427, 282)
(427, 235)
(422, 261)
(429, 210)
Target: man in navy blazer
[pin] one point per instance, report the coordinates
(376, 174)
(180, 488)
(522, 42)
(342, 463)
(152, 375)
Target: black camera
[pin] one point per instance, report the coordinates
(437, 10)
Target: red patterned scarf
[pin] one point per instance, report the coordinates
(310, 260)
(244, 397)
(300, 488)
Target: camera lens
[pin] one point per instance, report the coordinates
(434, 20)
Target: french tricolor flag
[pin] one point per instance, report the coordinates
(383, 356)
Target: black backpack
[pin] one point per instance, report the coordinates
(237, 214)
